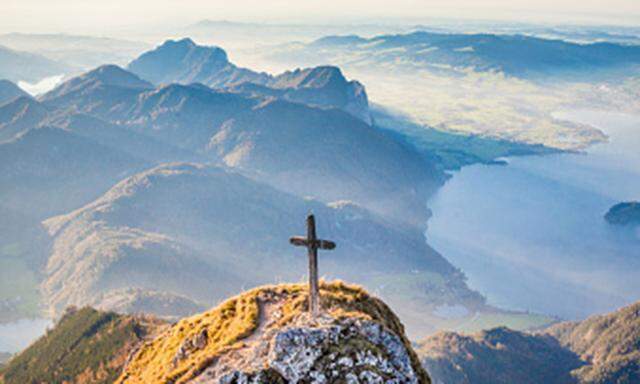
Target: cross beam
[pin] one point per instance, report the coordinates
(312, 243)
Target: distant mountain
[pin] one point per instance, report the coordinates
(336, 157)
(324, 86)
(165, 305)
(515, 55)
(182, 61)
(122, 138)
(71, 145)
(9, 91)
(49, 170)
(599, 350)
(185, 62)
(217, 124)
(19, 116)
(194, 230)
(22, 66)
(98, 91)
(627, 213)
(82, 52)
(185, 115)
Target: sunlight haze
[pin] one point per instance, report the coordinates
(100, 16)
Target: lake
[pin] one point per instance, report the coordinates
(531, 235)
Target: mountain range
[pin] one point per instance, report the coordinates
(148, 192)
(194, 231)
(514, 55)
(77, 51)
(25, 66)
(184, 62)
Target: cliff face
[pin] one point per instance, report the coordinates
(266, 336)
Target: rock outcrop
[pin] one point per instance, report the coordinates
(266, 336)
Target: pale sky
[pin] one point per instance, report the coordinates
(101, 15)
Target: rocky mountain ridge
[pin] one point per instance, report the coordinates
(185, 62)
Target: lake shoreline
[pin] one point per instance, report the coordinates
(472, 265)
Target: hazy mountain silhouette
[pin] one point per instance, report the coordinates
(515, 55)
(20, 115)
(22, 66)
(199, 231)
(184, 62)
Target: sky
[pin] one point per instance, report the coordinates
(104, 15)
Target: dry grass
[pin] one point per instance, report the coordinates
(231, 323)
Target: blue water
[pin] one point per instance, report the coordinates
(531, 235)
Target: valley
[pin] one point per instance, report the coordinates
(547, 203)
(464, 179)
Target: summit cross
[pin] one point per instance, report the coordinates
(312, 243)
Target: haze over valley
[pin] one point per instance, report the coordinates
(481, 181)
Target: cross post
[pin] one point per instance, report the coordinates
(312, 243)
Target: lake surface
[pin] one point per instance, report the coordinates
(18, 335)
(531, 235)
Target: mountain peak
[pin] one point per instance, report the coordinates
(186, 42)
(316, 77)
(266, 335)
(179, 60)
(109, 75)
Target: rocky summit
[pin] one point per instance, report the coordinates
(266, 336)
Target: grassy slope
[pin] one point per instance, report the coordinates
(599, 350)
(610, 344)
(237, 318)
(86, 346)
(497, 356)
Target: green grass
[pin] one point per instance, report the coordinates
(86, 346)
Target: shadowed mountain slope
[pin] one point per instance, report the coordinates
(347, 158)
(334, 157)
(192, 230)
(598, 350)
(20, 115)
(49, 170)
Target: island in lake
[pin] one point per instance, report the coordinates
(624, 214)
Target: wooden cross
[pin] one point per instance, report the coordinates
(313, 244)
